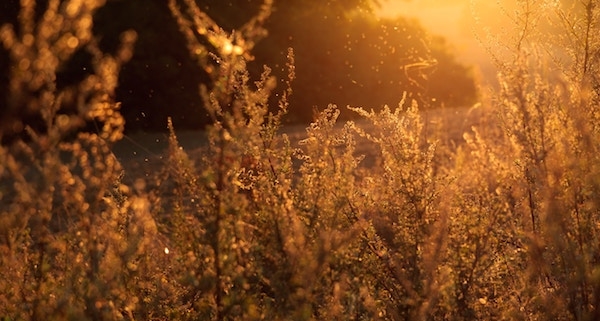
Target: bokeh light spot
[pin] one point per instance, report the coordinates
(72, 42)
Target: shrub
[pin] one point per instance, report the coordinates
(71, 236)
(503, 225)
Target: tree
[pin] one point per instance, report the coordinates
(344, 55)
(350, 57)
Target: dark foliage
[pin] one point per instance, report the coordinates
(344, 56)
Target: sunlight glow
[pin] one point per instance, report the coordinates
(460, 22)
(449, 19)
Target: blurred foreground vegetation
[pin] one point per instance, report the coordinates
(504, 225)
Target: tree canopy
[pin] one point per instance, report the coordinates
(344, 55)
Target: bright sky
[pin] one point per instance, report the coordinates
(455, 20)
(442, 17)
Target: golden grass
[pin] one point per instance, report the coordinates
(489, 212)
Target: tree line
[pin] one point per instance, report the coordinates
(345, 55)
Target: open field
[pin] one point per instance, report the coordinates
(142, 154)
(488, 212)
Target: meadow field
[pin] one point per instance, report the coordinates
(483, 212)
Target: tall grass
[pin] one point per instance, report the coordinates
(69, 236)
(503, 225)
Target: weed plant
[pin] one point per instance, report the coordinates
(70, 239)
(502, 226)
